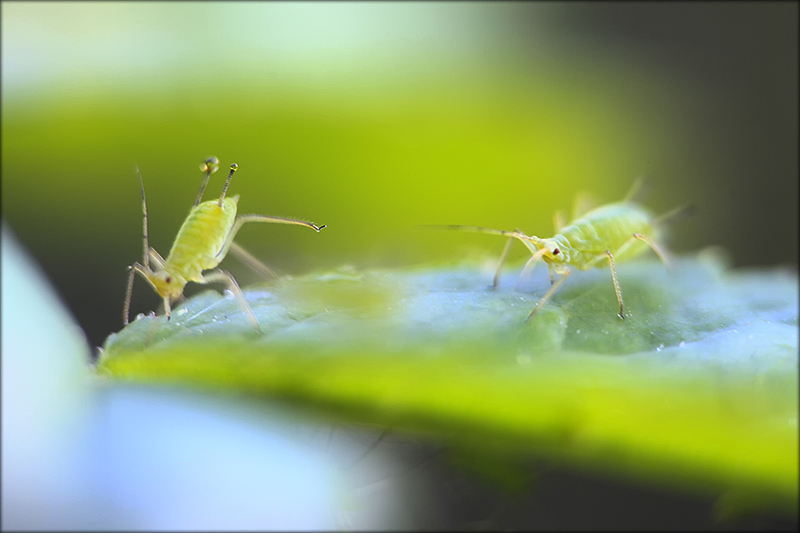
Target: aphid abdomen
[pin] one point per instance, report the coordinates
(608, 228)
(200, 238)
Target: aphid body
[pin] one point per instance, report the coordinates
(611, 232)
(608, 228)
(201, 236)
(202, 243)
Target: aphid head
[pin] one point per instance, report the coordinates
(167, 285)
(554, 253)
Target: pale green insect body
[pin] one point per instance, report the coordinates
(196, 246)
(202, 243)
(607, 228)
(201, 238)
(614, 231)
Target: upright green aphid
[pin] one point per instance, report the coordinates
(611, 232)
(202, 243)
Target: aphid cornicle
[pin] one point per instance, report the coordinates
(606, 234)
(202, 243)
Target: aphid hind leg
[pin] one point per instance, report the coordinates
(225, 277)
(660, 252)
(243, 219)
(248, 259)
(548, 294)
(657, 249)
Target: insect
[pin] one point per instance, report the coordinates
(606, 234)
(202, 243)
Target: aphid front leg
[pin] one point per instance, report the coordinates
(548, 294)
(225, 277)
(167, 307)
(531, 263)
(127, 306)
(502, 260)
(133, 269)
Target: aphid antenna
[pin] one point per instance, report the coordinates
(144, 223)
(536, 240)
(234, 166)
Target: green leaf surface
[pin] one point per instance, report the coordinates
(696, 388)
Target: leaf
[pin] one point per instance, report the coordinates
(697, 387)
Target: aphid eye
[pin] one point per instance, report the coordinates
(168, 279)
(556, 251)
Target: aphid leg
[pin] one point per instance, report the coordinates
(584, 202)
(559, 220)
(133, 269)
(225, 277)
(657, 249)
(502, 260)
(675, 215)
(127, 305)
(167, 307)
(248, 259)
(531, 263)
(243, 219)
(209, 166)
(548, 294)
(660, 252)
(616, 284)
(144, 270)
(639, 190)
(550, 273)
(610, 257)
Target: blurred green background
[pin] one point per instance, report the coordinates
(376, 118)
